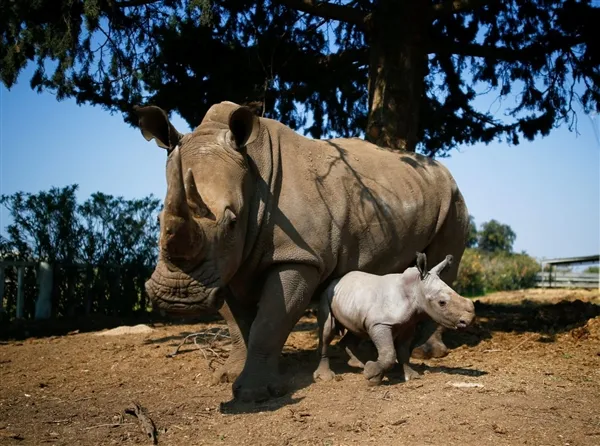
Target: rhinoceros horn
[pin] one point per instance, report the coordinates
(179, 230)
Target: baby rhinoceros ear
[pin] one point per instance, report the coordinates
(422, 264)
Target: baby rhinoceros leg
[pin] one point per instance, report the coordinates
(381, 335)
(403, 353)
(326, 335)
(350, 344)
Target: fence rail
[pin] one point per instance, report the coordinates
(557, 279)
(14, 276)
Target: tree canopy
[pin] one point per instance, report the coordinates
(406, 74)
(496, 237)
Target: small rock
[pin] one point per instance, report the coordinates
(136, 329)
(498, 429)
(399, 422)
(464, 385)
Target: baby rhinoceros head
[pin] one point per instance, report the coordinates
(438, 300)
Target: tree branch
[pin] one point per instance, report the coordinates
(360, 56)
(326, 10)
(134, 3)
(505, 54)
(449, 7)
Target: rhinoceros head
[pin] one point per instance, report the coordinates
(203, 221)
(444, 305)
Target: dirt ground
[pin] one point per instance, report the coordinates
(527, 372)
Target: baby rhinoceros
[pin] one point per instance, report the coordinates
(387, 309)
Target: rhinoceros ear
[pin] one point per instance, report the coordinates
(154, 123)
(422, 264)
(243, 125)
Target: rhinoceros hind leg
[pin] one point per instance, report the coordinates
(326, 335)
(402, 344)
(350, 344)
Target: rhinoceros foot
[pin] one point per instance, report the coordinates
(257, 387)
(373, 372)
(410, 373)
(229, 371)
(323, 373)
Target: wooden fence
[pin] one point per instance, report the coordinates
(559, 279)
(44, 289)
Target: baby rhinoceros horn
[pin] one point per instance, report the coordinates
(444, 305)
(437, 270)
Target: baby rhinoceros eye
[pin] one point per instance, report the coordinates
(442, 303)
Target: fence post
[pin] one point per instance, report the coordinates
(20, 292)
(2, 310)
(43, 304)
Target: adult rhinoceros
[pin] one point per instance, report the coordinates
(264, 218)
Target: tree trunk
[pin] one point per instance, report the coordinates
(397, 68)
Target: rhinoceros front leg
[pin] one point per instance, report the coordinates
(381, 335)
(286, 294)
(430, 343)
(238, 323)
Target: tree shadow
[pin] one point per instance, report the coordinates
(23, 329)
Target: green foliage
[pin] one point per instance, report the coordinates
(505, 272)
(470, 280)
(592, 270)
(482, 272)
(306, 59)
(495, 237)
(472, 236)
(114, 237)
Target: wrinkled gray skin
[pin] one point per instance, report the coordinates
(262, 218)
(387, 309)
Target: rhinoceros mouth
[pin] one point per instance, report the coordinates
(179, 292)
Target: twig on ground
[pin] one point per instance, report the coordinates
(528, 338)
(146, 423)
(107, 425)
(214, 335)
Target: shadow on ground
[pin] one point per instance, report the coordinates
(23, 329)
(528, 316)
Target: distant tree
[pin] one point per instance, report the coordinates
(496, 237)
(472, 236)
(45, 225)
(119, 231)
(592, 269)
(115, 237)
(404, 73)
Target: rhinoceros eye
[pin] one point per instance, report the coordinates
(230, 218)
(442, 303)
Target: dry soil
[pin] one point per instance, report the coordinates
(527, 372)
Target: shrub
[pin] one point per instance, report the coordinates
(482, 272)
(505, 272)
(470, 280)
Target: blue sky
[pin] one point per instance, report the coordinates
(548, 190)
